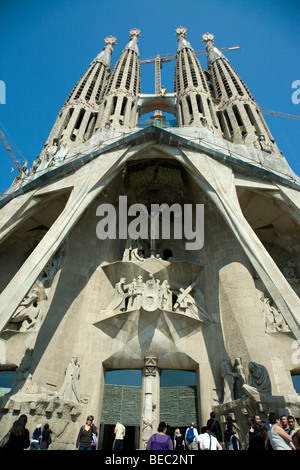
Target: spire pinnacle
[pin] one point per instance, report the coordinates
(182, 41)
(105, 55)
(213, 52)
(181, 31)
(133, 42)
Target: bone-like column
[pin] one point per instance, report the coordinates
(150, 399)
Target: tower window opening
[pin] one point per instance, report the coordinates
(224, 80)
(188, 100)
(124, 103)
(200, 104)
(228, 122)
(100, 86)
(114, 105)
(78, 124)
(252, 119)
(92, 85)
(237, 115)
(212, 115)
(82, 85)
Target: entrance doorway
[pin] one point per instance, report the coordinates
(131, 438)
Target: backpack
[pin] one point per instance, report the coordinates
(230, 444)
(190, 435)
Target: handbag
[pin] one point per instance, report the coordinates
(4, 440)
(94, 439)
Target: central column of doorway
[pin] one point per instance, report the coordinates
(150, 399)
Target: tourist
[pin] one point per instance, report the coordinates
(36, 438)
(160, 440)
(215, 427)
(284, 423)
(253, 429)
(46, 438)
(207, 441)
(85, 435)
(119, 432)
(19, 435)
(268, 421)
(296, 439)
(260, 440)
(179, 444)
(292, 425)
(229, 430)
(233, 443)
(279, 439)
(191, 437)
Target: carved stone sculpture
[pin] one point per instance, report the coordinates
(240, 378)
(228, 377)
(274, 320)
(259, 382)
(69, 390)
(28, 311)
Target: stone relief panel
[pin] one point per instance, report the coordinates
(30, 313)
(274, 320)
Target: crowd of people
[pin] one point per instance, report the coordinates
(277, 433)
(18, 437)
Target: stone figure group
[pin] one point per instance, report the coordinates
(235, 384)
(153, 294)
(150, 295)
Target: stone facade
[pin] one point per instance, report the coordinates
(74, 305)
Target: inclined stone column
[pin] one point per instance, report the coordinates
(150, 399)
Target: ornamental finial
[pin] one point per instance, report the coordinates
(181, 31)
(110, 40)
(135, 32)
(208, 37)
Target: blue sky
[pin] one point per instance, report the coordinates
(46, 46)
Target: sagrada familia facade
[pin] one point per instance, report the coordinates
(215, 293)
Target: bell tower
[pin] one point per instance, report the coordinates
(76, 120)
(240, 117)
(195, 104)
(118, 108)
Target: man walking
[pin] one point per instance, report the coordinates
(119, 436)
(191, 437)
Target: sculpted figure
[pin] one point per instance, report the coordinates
(120, 294)
(69, 390)
(228, 377)
(259, 381)
(240, 378)
(28, 311)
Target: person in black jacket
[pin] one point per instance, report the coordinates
(19, 435)
(36, 438)
(214, 426)
(46, 438)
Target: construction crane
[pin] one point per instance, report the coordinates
(22, 169)
(168, 58)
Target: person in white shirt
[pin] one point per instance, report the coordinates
(208, 441)
(119, 436)
(191, 445)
